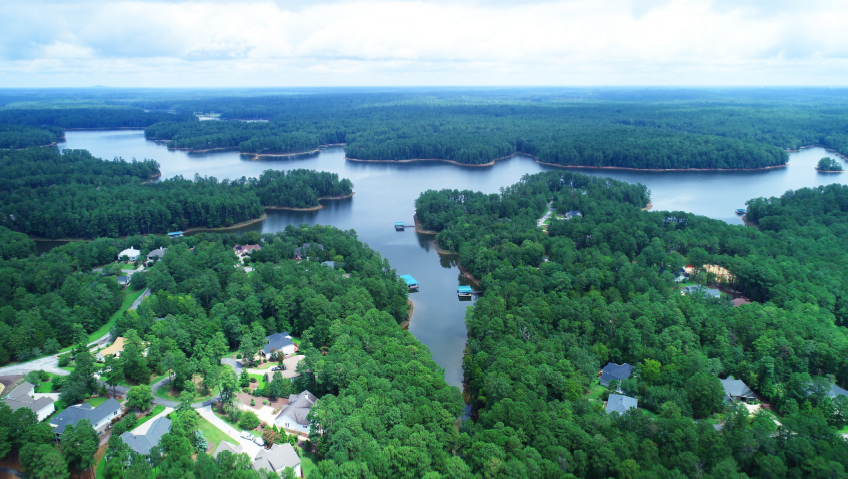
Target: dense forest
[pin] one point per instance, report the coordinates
(597, 288)
(72, 194)
(17, 137)
(89, 117)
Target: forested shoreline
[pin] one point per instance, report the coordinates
(599, 287)
(71, 194)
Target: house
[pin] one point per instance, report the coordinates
(114, 349)
(281, 342)
(620, 404)
(572, 213)
(24, 396)
(245, 249)
(142, 441)
(123, 280)
(293, 416)
(615, 372)
(175, 234)
(303, 251)
(156, 254)
(711, 292)
(99, 416)
(736, 390)
(130, 253)
(277, 458)
(226, 446)
(837, 391)
(329, 264)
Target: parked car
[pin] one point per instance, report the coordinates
(277, 368)
(246, 435)
(259, 441)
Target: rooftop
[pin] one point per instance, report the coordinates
(464, 289)
(74, 414)
(226, 446)
(116, 347)
(20, 397)
(408, 279)
(615, 372)
(277, 341)
(158, 252)
(142, 443)
(736, 387)
(279, 457)
(299, 406)
(620, 404)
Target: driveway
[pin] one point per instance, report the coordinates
(250, 448)
(145, 294)
(550, 210)
(234, 363)
(290, 372)
(47, 363)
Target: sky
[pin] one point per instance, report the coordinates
(217, 43)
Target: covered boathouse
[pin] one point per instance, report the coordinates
(410, 281)
(464, 291)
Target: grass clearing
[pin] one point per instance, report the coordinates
(166, 392)
(308, 461)
(153, 412)
(129, 299)
(213, 435)
(595, 391)
(235, 425)
(94, 402)
(46, 386)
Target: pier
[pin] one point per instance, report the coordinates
(399, 226)
(410, 281)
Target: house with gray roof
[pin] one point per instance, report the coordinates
(277, 458)
(736, 390)
(293, 416)
(226, 446)
(280, 342)
(620, 404)
(156, 254)
(142, 442)
(99, 416)
(24, 396)
(710, 292)
(303, 251)
(837, 391)
(615, 372)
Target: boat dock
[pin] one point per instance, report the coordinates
(410, 281)
(399, 226)
(466, 292)
(741, 211)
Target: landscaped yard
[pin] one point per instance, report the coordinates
(235, 425)
(153, 380)
(46, 387)
(307, 461)
(213, 435)
(156, 410)
(129, 299)
(166, 392)
(595, 391)
(94, 402)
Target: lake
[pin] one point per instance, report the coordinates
(386, 193)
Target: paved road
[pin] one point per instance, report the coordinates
(234, 363)
(548, 213)
(250, 447)
(145, 294)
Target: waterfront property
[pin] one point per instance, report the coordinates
(24, 396)
(245, 249)
(615, 372)
(572, 214)
(410, 281)
(464, 291)
(620, 404)
(303, 251)
(99, 416)
(293, 416)
(741, 211)
(399, 226)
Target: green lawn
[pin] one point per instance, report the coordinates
(153, 380)
(156, 410)
(166, 393)
(595, 391)
(129, 299)
(101, 468)
(307, 461)
(214, 435)
(46, 387)
(235, 425)
(94, 402)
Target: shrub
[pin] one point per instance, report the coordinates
(238, 356)
(264, 402)
(45, 376)
(253, 380)
(199, 442)
(249, 421)
(252, 402)
(64, 359)
(246, 389)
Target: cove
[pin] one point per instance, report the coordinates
(386, 193)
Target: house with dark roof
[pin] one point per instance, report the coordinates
(303, 251)
(329, 264)
(293, 416)
(245, 249)
(710, 292)
(620, 404)
(572, 213)
(99, 416)
(615, 372)
(123, 280)
(277, 459)
(280, 342)
(24, 396)
(736, 390)
(142, 441)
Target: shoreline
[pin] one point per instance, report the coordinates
(404, 325)
(750, 224)
(226, 228)
(492, 163)
(648, 207)
(254, 155)
(459, 266)
(829, 171)
(107, 128)
(805, 147)
(311, 208)
(420, 230)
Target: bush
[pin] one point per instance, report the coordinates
(253, 380)
(64, 360)
(238, 356)
(45, 376)
(252, 402)
(264, 402)
(246, 389)
(249, 421)
(34, 377)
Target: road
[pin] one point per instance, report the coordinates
(548, 213)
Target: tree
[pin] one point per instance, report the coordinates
(140, 397)
(244, 378)
(43, 461)
(79, 443)
(113, 372)
(248, 348)
(187, 396)
(134, 363)
(249, 421)
(270, 436)
(229, 385)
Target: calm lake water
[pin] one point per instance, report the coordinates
(386, 193)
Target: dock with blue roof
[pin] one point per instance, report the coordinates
(410, 281)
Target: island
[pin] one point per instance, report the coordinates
(829, 165)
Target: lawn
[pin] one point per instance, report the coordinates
(166, 393)
(129, 299)
(235, 424)
(307, 461)
(101, 468)
(213, 435)
(595, 391)
(156, 410)
(46, 387)
(94, 402)
(153, 380)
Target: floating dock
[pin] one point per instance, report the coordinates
(464, 291)
(410, 281)
(175, 234)
(399, 226)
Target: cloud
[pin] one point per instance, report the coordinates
(368, 42)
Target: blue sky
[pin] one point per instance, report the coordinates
(216, 43)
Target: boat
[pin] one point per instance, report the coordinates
(741, 211)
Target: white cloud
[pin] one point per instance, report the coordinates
(364, 42)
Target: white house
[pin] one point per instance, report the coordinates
(130, 252)
(277, 459)
(24, 396)
(99, 416)
(293, 416)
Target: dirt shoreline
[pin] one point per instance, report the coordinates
(829, 171)
(405, 324)
(107, 128)
(820, 146)
(749, 223)
(419, 229)
(311, 208)
(226, 228)
(459, 266)
(649, 206)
